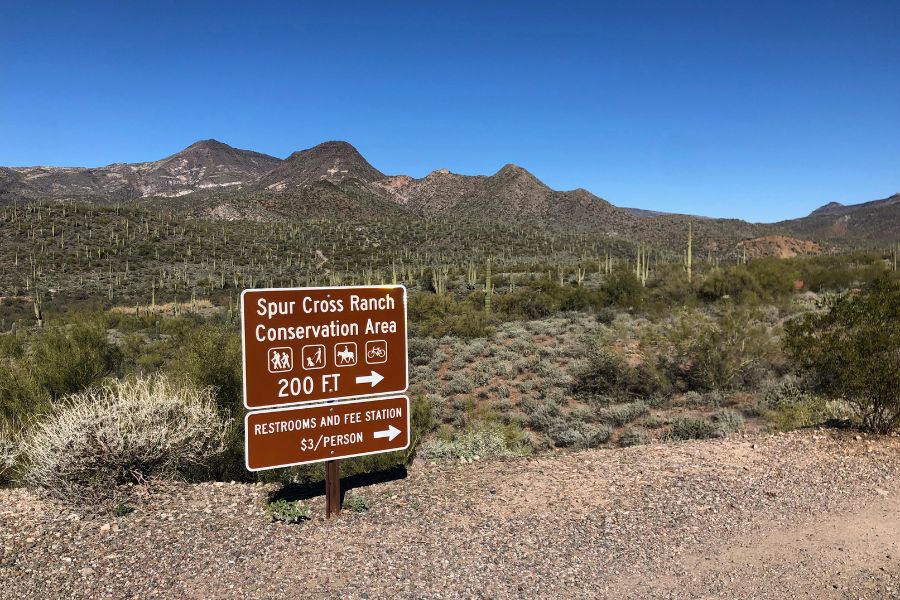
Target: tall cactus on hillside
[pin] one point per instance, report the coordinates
(38, 313)
(488, 286)
(471, 275)
(689, 253)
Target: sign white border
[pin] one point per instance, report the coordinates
(309, 402)
(320, 405)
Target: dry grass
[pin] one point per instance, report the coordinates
(9, 449)
(129, 430)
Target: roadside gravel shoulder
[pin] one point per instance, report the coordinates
(636, 522)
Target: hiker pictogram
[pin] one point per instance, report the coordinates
(281, 360)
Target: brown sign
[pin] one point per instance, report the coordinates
(311, 344)
(285, 437)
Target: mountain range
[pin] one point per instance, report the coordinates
(214, 180)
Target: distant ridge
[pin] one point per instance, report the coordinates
(214, 180)
(202, 165)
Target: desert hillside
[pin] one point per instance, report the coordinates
(778, 246)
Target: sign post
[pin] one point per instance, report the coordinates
(306, 346)
(332, 488)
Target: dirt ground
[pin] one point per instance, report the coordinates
(814, 514)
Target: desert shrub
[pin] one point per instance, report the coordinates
(479, 377)
(288, 511)
(658, 400)
(606, 315)
(526, 304)
(126, 431)
(621, 414)
(732, 282)
(605, 373)
(583, 414)
(670, 288)
(472, 444)
(459, 384)
(356, 503)
(785, 393)
(623, 288)
(596, 435)
(421, 350)
(600, 401)
(20, 393)
(212, 358)
(775, 276)
(654, 422)
(565, 433)
(634, 436)
(65, 360)
(693, 399)
(439, 315)
(809, 411)
(728, 421)
(731, 352)
(544, 415)
(688, 427)
(646, 379)
(852, 350)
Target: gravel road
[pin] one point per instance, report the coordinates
(812, 514)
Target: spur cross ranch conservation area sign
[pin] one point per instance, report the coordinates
(285, 437)
(313, 344)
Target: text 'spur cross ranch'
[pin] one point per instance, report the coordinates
(314, 344)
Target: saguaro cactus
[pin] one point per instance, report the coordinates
(488, 286)
(689, 254)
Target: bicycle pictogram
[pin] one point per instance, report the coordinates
(376, 352)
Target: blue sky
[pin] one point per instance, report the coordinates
(755, 110)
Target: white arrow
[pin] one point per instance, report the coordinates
(390, 433)
(375, 378)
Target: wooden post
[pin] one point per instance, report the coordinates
(332, 488)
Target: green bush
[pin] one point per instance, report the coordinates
(356, 503)
(605, 373)
(688, 427)
(728, 421)
(567, 433)
(65, 360)
(20, 393)
(731, 352)
(472, 444)
(622, 414)
(288, 511)
(433, 315)
(211, 357)
(596, 435)
(634, 436)
(623, 288)
(544, 416)
(852, 350)
(732, 282)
